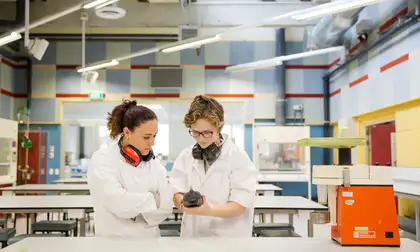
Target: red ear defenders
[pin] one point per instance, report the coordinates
(132, 155)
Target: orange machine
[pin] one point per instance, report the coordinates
(362, 204)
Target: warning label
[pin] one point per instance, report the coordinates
(364, 234)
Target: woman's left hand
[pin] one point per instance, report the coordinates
(204, 210)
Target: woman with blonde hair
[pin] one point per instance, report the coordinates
(218, 170)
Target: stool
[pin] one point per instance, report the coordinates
(23, 236)
(259, 227)
(169, 233)
(278, 233)
(3, 222)
(5, 235)
(63, 226)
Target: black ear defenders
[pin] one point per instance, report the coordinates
(211, 153)
(132, 155)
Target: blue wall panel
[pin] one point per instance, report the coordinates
(248, 140)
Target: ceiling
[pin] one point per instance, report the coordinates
(155, 19)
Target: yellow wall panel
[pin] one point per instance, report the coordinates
(407, 135)
(407, 143)
(409, 119)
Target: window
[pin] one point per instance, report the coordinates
(162, 140)
(104, 139)
(236, 132)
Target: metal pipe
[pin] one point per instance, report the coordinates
(326, 89)
(411, 21)
(280, 77)
(84, 19)
(26, 39)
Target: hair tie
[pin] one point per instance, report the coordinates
(129, 104)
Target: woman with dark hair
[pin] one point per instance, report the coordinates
(128, 185)
(219, 171)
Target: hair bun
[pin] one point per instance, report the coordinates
(129, 104)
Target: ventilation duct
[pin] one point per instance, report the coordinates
(370, 19)
(341, 28)
(20, 15)
(330, 29)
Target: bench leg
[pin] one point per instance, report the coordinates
(417, 210)
(27, 223)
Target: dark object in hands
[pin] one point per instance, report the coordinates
(192, 199)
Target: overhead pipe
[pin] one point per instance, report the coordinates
(369, 19)
(405, 24)
(280, 77)
(331, 29)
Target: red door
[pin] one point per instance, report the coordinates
(380, 144)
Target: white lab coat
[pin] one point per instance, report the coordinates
(232, 177)
(121, 192)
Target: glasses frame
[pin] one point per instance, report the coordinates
(191, 131)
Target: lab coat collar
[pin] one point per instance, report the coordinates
(198, 164)
(227, 146)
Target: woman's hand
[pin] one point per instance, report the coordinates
(204, 210)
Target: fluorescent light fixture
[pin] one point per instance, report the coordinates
(333, 8)
(275, 61)
(10, 38)
(106, 4)
(99, 66)
(98, 3)
(192, 44)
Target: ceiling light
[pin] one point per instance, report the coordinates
(334, 7)
(98, 3)
(192, 44)
(10, 38)
(99, 66)
(278, 60)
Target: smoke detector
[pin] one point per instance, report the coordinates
(110, 12)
